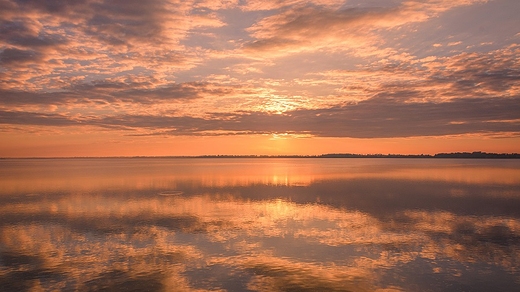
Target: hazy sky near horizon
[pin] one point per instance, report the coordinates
(167, 77)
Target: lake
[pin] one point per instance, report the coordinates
(259, 224)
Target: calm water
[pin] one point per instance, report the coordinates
(157, 224)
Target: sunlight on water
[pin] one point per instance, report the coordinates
(160, 224)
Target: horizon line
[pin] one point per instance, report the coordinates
(474, 154)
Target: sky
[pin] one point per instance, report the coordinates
(168, 77)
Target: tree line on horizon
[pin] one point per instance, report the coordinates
(475, 154)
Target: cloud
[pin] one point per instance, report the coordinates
(40, 119)
(402, 96)
(12, 56)
(163, 68)
(409, 79)
(27, 34)
(314, 27)
(114, 22)
(41, 41)
(116, 91)
(375, 118)
(308, 28)
(380, 118)
(464, 94)
(256, 5)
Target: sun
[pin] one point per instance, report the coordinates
(278, 104)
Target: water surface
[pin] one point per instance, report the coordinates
(186, 224)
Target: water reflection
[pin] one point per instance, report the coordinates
(259, 225)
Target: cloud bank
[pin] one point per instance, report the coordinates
(320, 68)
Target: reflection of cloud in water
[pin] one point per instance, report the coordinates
(279, 274)
(340, 230)
(171, 193)
(93, 242)
(85, 261)
(492, 240)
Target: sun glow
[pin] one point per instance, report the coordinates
(279, 104)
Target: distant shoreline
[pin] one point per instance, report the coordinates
(463, 155)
